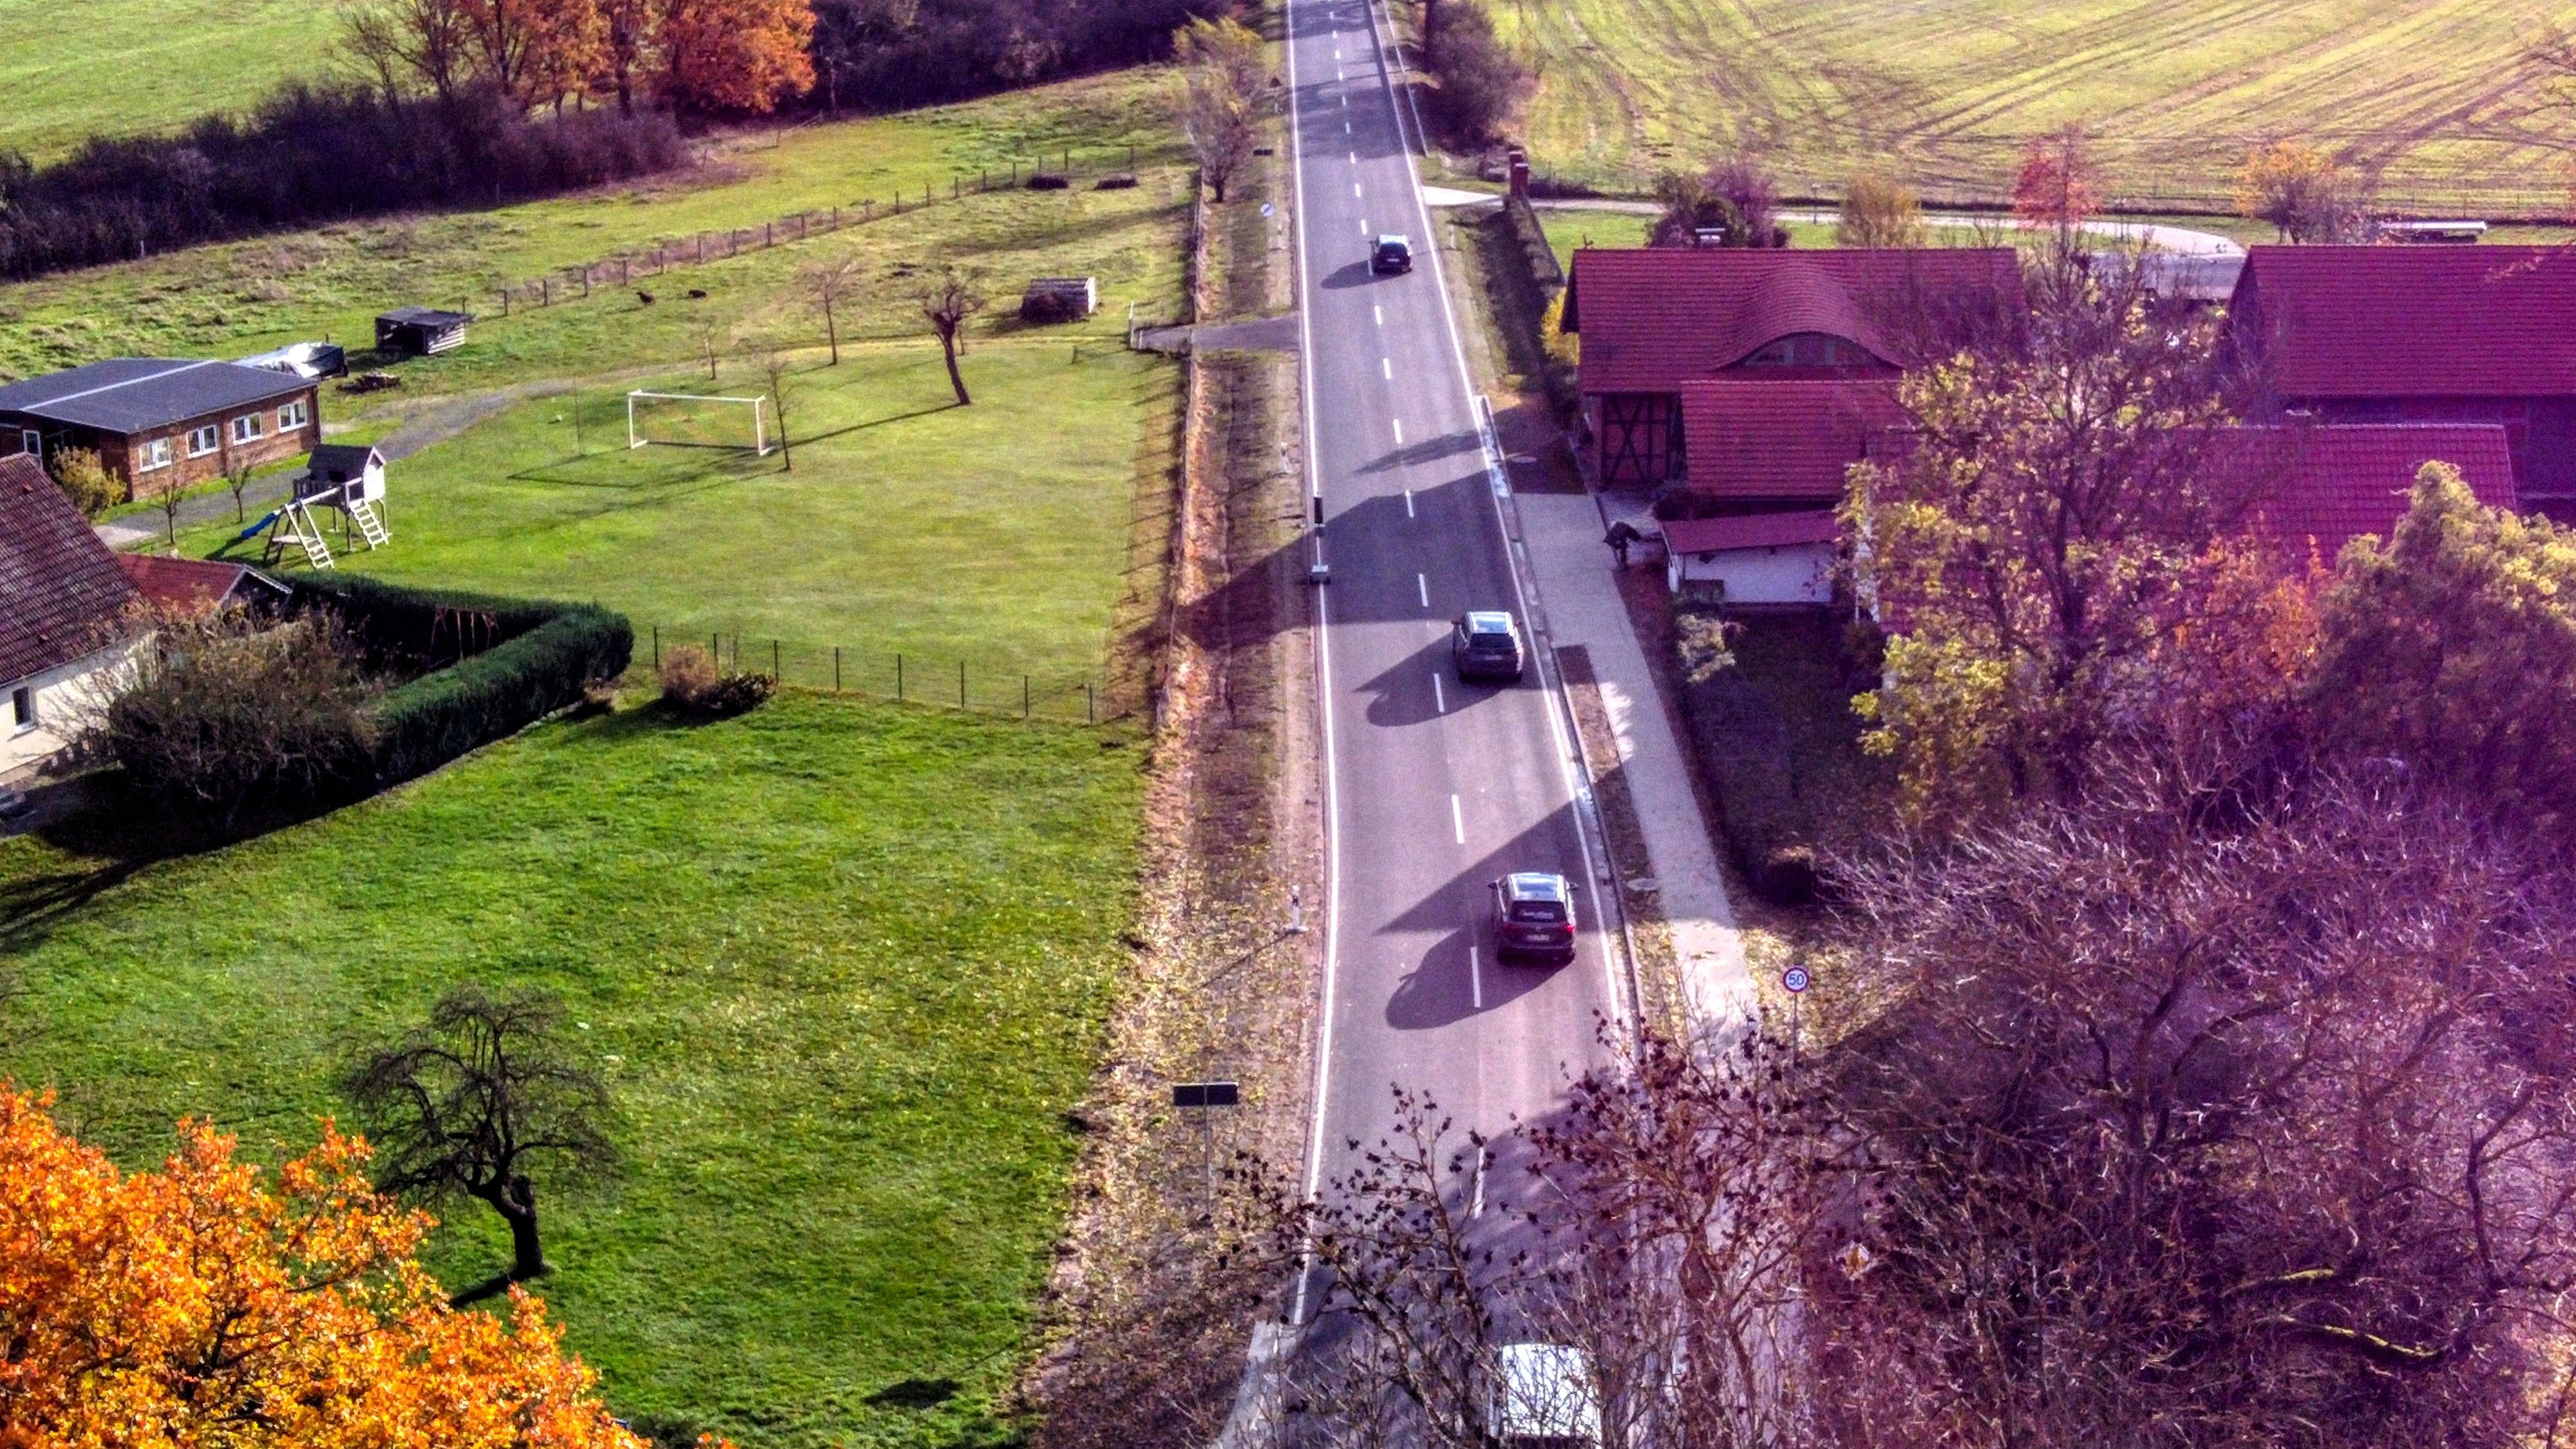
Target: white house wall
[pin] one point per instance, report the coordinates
(1787, 574)
(68, 697)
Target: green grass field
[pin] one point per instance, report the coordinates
(997, 534)
(114, 67)
(2429, 91)
(844, 965)
(331, 281)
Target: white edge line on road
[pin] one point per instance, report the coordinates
(1476, 984)
(1399, 441)
(1422, 589)
(1408, 503)
(1386, 369)
(1520, 587)
(1331, 924)
(1439, 696)
(1457, 821)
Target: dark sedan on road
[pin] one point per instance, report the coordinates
(1392, 254)
(1486, 645)
(1534, 917)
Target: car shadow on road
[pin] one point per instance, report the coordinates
(1448, 986)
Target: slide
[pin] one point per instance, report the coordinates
(254, 531)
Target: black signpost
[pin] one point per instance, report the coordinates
(1199, 1097)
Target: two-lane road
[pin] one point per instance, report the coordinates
(1434, 788)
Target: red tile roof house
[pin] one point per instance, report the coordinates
(2483, 334)
(2322, 487)
(158, 424)
(62, 627)
(1653, 321)
(2332, 484)
(195, 585)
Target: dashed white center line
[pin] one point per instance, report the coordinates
(1355, 156)
(1476, 983)
(1364, 231)
(1439, 696)
(1408, 503)
(1346, 128)
(1386, 369)
(1378, 312)
(1457, 821)
(1399, 429)
(1422, 587)
(1355, 188)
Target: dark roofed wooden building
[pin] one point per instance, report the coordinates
(1656, 320)
(159, 423)
(2472, 334)
(419, 331)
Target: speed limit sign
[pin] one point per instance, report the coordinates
(1795, 978)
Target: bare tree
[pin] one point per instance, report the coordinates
(2206, 1112)
(776, 366)
(710, 339)
(432, 39)
(828, 284)
(169, 500)
(464, 1104)
(237, 482)
(946, 304)
(1221, 66)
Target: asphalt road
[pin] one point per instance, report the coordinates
(1435, 787)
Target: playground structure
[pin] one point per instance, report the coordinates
(350, 479)
(698, 420)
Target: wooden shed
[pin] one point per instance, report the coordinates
(419, 331)
(1060, 299)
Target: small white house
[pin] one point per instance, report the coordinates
(1755, 558)
(65, 630)
(343, 473)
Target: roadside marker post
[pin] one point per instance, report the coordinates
(1201, 1097)
(1796, 981)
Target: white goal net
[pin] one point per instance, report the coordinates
(695, 420)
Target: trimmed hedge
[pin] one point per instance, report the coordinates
(497, 665)
(1743, 745)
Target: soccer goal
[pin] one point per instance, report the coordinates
(694, 420)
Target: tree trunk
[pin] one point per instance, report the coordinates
(832, 329)
(517, 1204)
(948, 346)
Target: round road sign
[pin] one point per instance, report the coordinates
(1795, 978)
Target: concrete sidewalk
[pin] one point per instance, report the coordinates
(1562, 533)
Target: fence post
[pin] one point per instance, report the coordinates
(769, 233)
(774, 671)
(1024, 696)
(836, 669)
(737, 652)
(545, 291)
(955, 188)
(657, 646)
(715, 651)
(898, 679)
(1090, 710)
(505, 301)
(961, 684)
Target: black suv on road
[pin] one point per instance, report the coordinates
(1393, 253)
(1486, 645)
(1533, 917)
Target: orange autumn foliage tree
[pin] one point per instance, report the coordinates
(196, 1306)
(735, 55)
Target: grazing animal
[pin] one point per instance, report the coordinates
(697, 294)
(644, 297)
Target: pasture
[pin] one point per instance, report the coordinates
(844, 967)
(2428, 93)
(116, 67)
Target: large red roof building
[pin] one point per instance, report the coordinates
(1654, 322)
(2398, 334)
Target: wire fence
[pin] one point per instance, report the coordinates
(1107, 171)
(944, 681)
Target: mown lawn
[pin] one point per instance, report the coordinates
(331, 281)
(844, 966)
(998, 534)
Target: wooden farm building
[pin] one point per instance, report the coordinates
(2429, 334)
(160, 423)
(419, 331)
